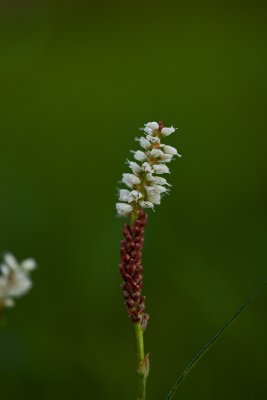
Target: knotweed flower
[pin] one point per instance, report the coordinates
(146, 186)
(14, 279)
(144, 189)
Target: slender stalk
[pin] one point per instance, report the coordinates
(142, 361)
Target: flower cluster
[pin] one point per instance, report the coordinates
(144, 185)
(132, 271)
(14, 279)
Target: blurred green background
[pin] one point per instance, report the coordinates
(77, 81)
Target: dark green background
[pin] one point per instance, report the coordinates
(77, 81)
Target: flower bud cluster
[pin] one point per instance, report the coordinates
(132, 271)
(14, 279)
(144, 185)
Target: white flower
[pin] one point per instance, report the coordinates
(148, 130)
(150, 177)
(135, 167)
(156, 153)
(15, 280)
(161, 169)
(130, 180)
(146, 188)
(161, 181)
(143, 142)
(28, 265)
(167, 131)
(153, 139)
(170, 150)
(152, 125)
(123, 209)
(147, 167)
(166, 158)
(134, 196)
(146, 204)
(140, 155)
(10, 261)
(124, 195)
(154, 198)
(160, 189)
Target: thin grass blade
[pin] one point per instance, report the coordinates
(212, 341)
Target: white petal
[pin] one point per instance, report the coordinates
(130, 180)
(9, 302)
(135, 167)
(156, 153)
(161, 181)
(161, 169)
(5, 270)
(149, 131)
(153, 139)
(150, 189)
(134, 196)
(146, 204)
(124, 195)
(154, 198)
(144, 142)
(29, 264)
(160, 189)
(167, 131)
(11, 261)
(170, 150)
(150, 177)
(140, 155)
(152, 125)
(166, 158)
(147, 167)
(123, 209)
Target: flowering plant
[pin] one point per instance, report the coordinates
(145, 188)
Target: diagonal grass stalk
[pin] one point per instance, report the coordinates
(212, 341)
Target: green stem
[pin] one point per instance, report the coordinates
(142, 361)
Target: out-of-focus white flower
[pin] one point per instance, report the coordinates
(29, 264)
(15, 279)
(123, 209)
(130, 180)
(146, 186)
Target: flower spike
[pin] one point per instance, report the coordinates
(146, 187)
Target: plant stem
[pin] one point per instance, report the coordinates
(142, 361)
